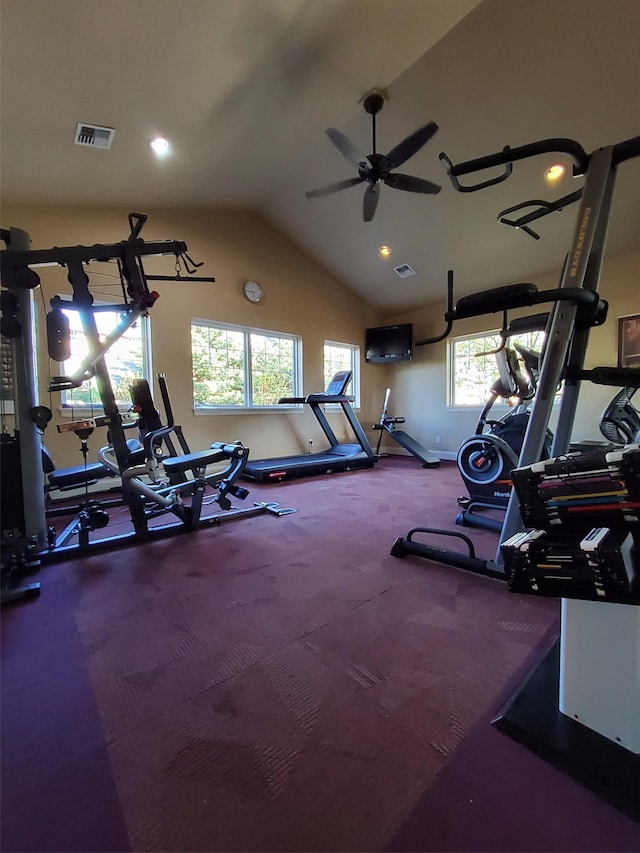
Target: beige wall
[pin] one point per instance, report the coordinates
(420, 386)
(301, 298)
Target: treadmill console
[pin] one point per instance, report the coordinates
(338, 384)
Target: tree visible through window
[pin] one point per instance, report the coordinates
(218, 366)
(241, 367)
(473, 369)
(342, 357)
(272, 368)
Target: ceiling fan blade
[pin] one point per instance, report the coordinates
(347, 148)
(371, 196)
(409, 146)
(410, 184)
(334, 188)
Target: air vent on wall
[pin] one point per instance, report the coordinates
(94, 135)
(404, 270)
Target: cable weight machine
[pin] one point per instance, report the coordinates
(27, 543)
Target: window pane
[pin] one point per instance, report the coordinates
(272, 368)
(239, 366)
(337, 357)
(218, 366)
(474, 374)
(124, 360)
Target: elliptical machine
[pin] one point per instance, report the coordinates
(486, 458)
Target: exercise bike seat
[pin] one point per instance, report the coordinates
(511, 382)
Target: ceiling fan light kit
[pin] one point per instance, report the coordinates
(375, 167)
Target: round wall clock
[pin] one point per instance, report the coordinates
(253, 291)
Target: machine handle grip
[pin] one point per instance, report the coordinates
(495, 299)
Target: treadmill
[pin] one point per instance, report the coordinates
(337, 457)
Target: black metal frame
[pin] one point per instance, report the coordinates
(338, 457)
(575, 307)
(19, 277)
(389, 425)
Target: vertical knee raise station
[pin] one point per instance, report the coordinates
(592, 676)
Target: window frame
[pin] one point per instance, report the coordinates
(68, 409)
(247, 331)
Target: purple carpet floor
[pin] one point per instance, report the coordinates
(283, 684)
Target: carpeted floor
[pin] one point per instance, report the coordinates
(271, 684)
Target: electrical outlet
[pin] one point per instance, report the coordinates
(437, 439)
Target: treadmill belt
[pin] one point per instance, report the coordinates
(287, 467)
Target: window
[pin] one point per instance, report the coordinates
(239, 367)
(127, 359)
(472, 368)
(343, 357)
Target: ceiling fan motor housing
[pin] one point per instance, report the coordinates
(373, 103)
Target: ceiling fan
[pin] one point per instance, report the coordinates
(378, 167)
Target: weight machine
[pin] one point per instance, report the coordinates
(575, 308)
(24, 529)
(389, 425)
(590, 676)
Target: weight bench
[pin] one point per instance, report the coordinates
(88, 515)
(79, 476)
(176, 468)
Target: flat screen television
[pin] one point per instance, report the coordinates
(389, 343)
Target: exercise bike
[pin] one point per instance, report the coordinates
(486, 458)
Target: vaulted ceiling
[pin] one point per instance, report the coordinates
(245, 90)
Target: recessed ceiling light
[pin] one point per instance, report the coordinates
(160, 145)
(555, 173)
(385, 251)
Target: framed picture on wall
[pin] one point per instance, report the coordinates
(629, 341)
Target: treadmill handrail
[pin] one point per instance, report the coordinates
(319, 398)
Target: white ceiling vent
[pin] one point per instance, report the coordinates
(404, 270)
(94, 135)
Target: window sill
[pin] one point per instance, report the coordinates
(259, 410)
(199, 411)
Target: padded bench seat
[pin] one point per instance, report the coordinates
(85, 475)
(202, 458)
(79, 475)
